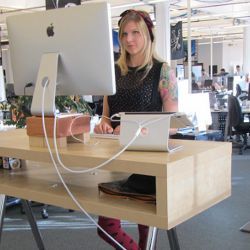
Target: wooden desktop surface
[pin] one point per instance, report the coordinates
(188, 181)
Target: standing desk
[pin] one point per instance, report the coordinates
(188, 181)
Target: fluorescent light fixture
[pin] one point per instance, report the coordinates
(145, 2)
(221, 41)
(127, 5)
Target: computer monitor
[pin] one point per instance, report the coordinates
(69, 47)
(237, 80)
(196, 70)
(180, 71)
(248, 98)
(197, 108)
(230, 83)
(2, 86)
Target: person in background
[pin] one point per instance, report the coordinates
(204, 76)
(223, 74)
(244, 84)
(144, 83)
(238, 71)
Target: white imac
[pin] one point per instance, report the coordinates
(70, 48)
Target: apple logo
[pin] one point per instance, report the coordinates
(50, 30)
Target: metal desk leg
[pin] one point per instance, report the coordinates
(173, 239)
(151, 240)
(33, 224)
(2, 210)
(245, 228)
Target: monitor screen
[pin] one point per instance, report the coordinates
(237, 80)
(196, 70)
(197, 108)
(81, 36)
(230, 82)
(180, 71)
(248, 92)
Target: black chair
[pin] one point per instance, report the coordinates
(236, 129)
(240, 94)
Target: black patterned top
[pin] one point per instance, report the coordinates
(134, 94)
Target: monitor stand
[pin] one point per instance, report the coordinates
(68, 125)
(47, 74)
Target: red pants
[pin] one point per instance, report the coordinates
(113, 228)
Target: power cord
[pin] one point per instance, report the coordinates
(61, 178)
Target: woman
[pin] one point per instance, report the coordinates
(144, 83)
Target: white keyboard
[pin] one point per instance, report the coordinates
(105, 136)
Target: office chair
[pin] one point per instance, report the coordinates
(241, 95)
(236, 129)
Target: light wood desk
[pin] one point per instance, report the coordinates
(188, 181)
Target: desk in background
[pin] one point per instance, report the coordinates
(186, 182)
(209, 135)
(219, 118)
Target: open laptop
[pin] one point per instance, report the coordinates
(154, 132)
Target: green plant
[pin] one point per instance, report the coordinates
(20, 108)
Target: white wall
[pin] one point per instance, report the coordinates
(232, 55)
(204, 55)
(225, 55)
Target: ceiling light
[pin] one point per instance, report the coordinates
(214, 1)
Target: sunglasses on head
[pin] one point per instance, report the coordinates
(144, 16)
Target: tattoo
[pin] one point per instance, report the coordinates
(168, 84)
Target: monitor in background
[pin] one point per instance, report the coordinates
(196, 70)
(215, 69)
(180, 71)
(248, 98)
(62, 46)
(237, 80)
(208, 83)
(230, 83)
(212, 99)
(2, 86)
(10, 90)
(197, 108)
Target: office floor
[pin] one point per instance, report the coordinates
(215, 229)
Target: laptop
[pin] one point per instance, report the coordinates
(153, 130)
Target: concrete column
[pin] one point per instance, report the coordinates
(162, 31)
(211, 57)
(246, 50)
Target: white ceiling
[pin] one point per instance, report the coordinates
(222, 19)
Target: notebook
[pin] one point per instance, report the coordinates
(154, 132)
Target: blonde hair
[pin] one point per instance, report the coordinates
(149, 45)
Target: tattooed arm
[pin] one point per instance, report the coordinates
(168, 89)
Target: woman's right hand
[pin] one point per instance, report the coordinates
(103, 127)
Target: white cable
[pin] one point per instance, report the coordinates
(61, 178)
(91, 169)
(81, 115)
